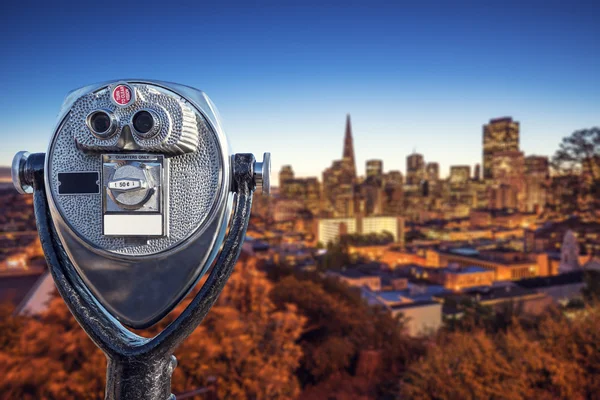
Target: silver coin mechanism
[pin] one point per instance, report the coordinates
(133, 194)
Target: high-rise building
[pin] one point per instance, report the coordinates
(304, 191)
(537, 166)
(500, 134)
(460, 174)
(374, 168)
(393, 194)
(286, 174)
(394, 177)
(508, 174)
(477, 173)
(338, 190)
(537, 175)
(339, 195)
(372, 189)
(432, 171)
(348, 154)
(415, 169)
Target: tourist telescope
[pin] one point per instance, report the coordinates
(133, 202)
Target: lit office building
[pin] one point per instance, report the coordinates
(374, 168)
(460, 174)
(330, 229)
(477, 173)
(432, 171)
(508, 175)
(415, 169)
(537, 175)
(286, 174)
(500, 134)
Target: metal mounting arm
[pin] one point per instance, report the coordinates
(140, 368)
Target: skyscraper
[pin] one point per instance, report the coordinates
(285, 174)
(432, 171)
(477, 173)
(537, 175)
(415, 169)
(372, 188)
(537, 166)
(500, 134)
(508, 173)
(348, 154)
(374, 168)
(460, 174)
(339, 180)
(393, 194)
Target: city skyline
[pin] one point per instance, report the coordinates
(284, 77)
(362, 169)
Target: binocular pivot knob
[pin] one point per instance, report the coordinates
(22, 175)
(262, 174)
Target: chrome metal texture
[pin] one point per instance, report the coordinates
(155, 126)
(177, 121)
(112, 129)
(134, 198)
(134, 182)
(139, 368)
(21, 176)
(262, 174)
(146, 277)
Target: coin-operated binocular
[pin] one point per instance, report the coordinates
(133, 201)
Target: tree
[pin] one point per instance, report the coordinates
(336, 257)
(53, 359)
(247, 343)
(557, 358)
(340, 327)
(577, 167)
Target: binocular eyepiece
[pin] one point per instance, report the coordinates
(139, 183)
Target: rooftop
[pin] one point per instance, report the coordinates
(423, 303)
(464, 251)
(414, 292)
(467, 270)
(573, 223)
(548, 281)
(13, 289)
(490, 293)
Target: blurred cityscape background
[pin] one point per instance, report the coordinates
(461, 264)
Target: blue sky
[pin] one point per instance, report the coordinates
(415, 75)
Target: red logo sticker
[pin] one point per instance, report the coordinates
(122, 95)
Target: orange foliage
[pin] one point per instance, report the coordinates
(559, 359)
(247, 344)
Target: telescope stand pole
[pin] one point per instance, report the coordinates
(140, 378)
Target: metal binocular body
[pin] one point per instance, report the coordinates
(134, 197)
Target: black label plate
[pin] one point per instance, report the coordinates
(79, 183)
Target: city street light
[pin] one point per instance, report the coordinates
(133, 200)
